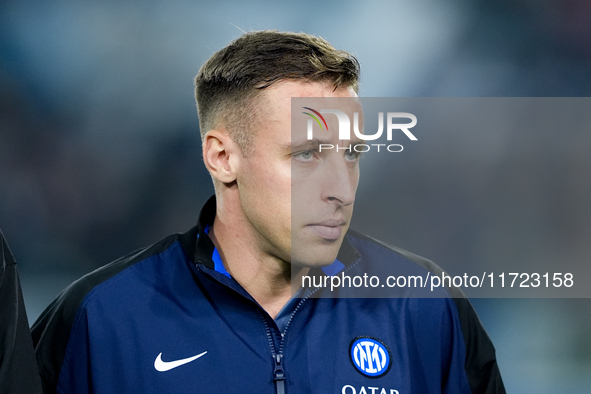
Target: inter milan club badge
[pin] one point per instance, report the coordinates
(370, 356)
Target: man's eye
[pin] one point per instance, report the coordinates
(351, 154)
(305, 155)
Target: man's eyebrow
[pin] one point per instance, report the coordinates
(357, 141)
(307, 144)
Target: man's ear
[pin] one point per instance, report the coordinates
(220, 155)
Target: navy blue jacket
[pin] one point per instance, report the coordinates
(164, 320)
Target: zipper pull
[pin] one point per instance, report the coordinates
(279, 374)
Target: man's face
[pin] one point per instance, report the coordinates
(298, 199)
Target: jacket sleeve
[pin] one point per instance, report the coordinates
(18, 369)
(51, 335)
(481, 363)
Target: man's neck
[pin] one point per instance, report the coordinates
(265, 277)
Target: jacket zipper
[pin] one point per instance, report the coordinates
(279, 374)
(278, 371)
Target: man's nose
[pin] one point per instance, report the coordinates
(340, 182)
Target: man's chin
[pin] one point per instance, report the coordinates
(314, 253)
(315, 257)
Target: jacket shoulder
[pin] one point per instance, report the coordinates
(51, 332)
(358, 239)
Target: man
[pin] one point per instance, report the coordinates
(211, 311)
(18, 370)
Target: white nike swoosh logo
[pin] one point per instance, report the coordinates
(168, 365)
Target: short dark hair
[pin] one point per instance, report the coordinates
(229, 82)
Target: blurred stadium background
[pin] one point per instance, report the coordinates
(100, 151)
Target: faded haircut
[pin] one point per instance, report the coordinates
(229, 84)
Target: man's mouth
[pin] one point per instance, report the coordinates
(328, 229)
